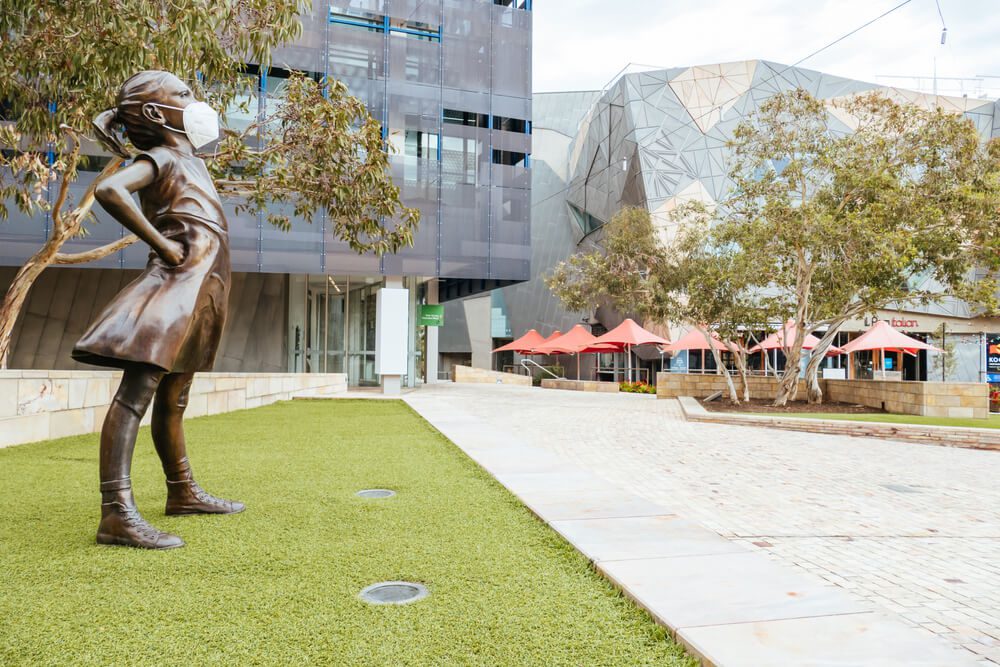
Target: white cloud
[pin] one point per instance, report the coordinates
(581, 45)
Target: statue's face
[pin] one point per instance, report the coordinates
(174, 93)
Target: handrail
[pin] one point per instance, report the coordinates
(532, 362)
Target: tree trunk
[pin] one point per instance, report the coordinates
(741, 365)
(720, 367)
(815, 391)
(789, 385)
(17, 293)
(64, 227)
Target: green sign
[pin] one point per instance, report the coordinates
(430, 316)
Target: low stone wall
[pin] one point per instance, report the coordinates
(928, 399)
(38, 405)
(580, 385)
(944, 436)
(467, 374)
(674, 385)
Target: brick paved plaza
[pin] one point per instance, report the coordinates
(913, 529)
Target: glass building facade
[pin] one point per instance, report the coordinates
(450, 81)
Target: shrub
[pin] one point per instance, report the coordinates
(637, 388)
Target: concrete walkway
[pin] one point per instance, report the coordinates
(571, 457)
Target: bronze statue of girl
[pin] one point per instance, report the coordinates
(165, 325)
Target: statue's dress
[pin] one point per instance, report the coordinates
(170, 316)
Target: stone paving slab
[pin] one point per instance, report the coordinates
(718, 589)
(729, 605)
(868, 639)
(588, 505)
(662, 536)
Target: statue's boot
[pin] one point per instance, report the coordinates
(184, 496)
(121, 523)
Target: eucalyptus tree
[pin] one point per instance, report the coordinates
(903, 209)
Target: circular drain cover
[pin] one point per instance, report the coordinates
(394, 592)
(375, 493)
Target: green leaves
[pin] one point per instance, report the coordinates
(861, 219)
(624, 273)
(320, 152)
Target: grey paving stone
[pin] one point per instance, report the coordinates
(725, 588)
(643, 537)
(852, 640)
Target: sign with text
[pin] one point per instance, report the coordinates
(430, 315)
(993, 357)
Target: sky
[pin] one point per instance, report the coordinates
(584, 44)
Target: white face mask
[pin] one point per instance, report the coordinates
(201, 122)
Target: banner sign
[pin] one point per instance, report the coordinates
(993, 357)
(430, 315)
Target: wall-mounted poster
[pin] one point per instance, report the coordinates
(993, 357)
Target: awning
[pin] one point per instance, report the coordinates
(627, 334)
(695, 340)
(883, 337)
(571, 342)
(776, 341)
(523, 345)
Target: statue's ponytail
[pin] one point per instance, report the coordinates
(104, 124)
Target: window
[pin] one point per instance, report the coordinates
(509, 158)
(422, 145)
(414, 29)
(466, 118)
(458, 159)
(358, 18)
(586, 221)
(380, 23)
(510, 124)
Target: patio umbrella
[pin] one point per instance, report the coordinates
(695, 340)
(523, 345)
(574, 342)
(551, 337)
(776, 341)
(624, 337)
(883, 337)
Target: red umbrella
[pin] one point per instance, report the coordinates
(883, 337)
(695, 340)
(551, 337)
(776, 341)
(570, 342)
(624, 336)
(526, 344)
(576, 341)
(629, 333)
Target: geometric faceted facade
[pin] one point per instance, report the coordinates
(658, 138)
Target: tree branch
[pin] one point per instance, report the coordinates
(96, 253)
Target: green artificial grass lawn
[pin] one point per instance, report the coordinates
(993, 421)
(278, 584)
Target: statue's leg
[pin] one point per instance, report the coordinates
(121, 522)
(184, 496)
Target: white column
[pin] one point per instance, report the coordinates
(432, 336)
(392, 309)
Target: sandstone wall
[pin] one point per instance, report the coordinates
(38, 405)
